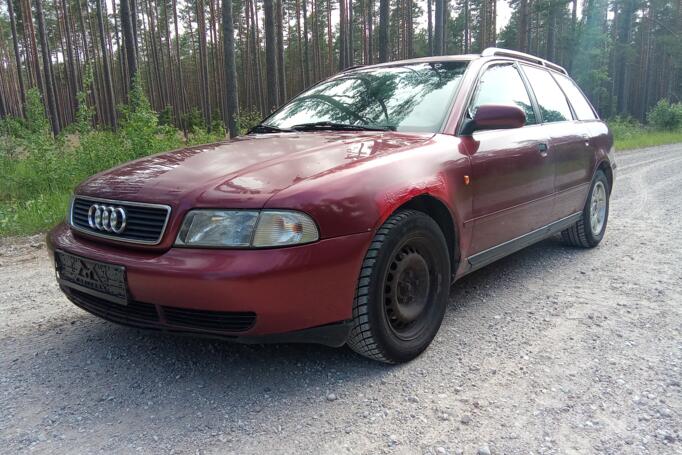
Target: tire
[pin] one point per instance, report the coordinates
(402, 290)
(588, 232)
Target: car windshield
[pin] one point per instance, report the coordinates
(414, 97)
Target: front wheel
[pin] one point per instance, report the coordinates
(588, 231)
(403, 289)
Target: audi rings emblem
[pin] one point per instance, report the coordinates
(107, 218)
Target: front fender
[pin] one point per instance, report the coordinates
(361, 195)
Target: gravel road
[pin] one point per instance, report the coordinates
(551, 350)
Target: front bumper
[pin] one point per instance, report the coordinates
(302, 293)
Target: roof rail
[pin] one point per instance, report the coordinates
(496, 51)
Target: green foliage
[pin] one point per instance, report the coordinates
(166, 116)
(665, 116)
(36, 121)
(247, 120)
(665, 127)
(590, 66)
(140, 129)
(193, 120)
(85, 114)
(38, 172)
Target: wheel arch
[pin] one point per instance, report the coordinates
(605, 166)
(443, 216)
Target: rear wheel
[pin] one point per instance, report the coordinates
(588, 231)
(403, 289)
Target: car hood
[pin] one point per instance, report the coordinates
(244, 172)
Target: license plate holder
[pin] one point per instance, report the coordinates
(103, 280)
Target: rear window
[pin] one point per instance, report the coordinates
(580, 105)
(551, 99)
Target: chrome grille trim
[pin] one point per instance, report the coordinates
(122, 237)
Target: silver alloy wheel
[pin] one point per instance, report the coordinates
(598, 208)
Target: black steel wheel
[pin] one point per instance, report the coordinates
(402, 291)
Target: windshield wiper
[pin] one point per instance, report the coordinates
(262, 128)
(326, 125)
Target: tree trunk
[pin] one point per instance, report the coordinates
(231, 101)
(215, 93)
(330, 42)
(523, 25)
(306, 50)
(170, 74)
(47, 69)
(438, 29)
(108, 85)
(17, 55)
(551, 31)
(429, 25)
(299, 47)
(270, 55)
(32, 44)
(181, 82)
(201, 31)
(384, 35)
(343, 39)
(483, 26)
(350, 50)
(467, 27)
(121, 55)
(128, 41)
(370, 31)
(281, 76)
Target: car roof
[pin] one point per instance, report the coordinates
(486, 54)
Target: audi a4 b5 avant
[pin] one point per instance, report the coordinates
(344, 217)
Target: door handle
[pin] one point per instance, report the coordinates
(542, 148)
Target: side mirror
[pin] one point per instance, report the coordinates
(494, 117)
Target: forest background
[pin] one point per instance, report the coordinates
(88, 84)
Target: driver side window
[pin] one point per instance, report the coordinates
(502, 84)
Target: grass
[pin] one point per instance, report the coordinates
(647, 138)
(664, 126)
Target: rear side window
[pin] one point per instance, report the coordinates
(580, 105)
(502, 84)
(551, 99)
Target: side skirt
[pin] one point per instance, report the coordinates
(490, 255)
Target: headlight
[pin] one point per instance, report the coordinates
(227, 228)
(246, 228)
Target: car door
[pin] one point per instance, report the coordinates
(574, 175)
(512, 170)
(569, 140)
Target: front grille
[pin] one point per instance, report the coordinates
(145, 223)
(140, 314)
(134, 313)
(229, 321)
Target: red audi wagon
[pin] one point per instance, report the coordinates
(345, 216)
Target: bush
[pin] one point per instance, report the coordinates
(665, 116)
(625, 128)
(247, 120)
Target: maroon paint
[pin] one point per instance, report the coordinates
(493, 116)
(289, 288)
(350, 183)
